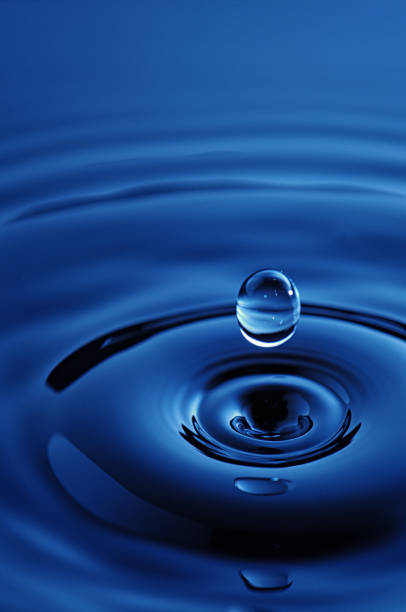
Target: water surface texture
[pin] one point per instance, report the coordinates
(152, 156)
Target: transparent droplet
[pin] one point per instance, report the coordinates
(264, 579)
(264, 486)
(268, 308)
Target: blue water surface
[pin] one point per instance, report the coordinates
(153, 154)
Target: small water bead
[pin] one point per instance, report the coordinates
(264, 579)
(264, 486)
(268, 308)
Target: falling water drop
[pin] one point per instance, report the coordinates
(268, 308)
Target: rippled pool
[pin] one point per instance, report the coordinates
(153, 156)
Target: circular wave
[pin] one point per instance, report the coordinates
(309, 413)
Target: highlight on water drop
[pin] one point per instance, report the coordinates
(268, 308)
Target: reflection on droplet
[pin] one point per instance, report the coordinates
(264, 486)
(268, 308)
(266, 579)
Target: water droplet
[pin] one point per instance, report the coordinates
(265, 579)
(264, 486)
(268, 308)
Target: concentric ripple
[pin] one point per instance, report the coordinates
(309, 413)
(154, 154)
(276, 412)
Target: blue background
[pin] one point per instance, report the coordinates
(152, 155)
